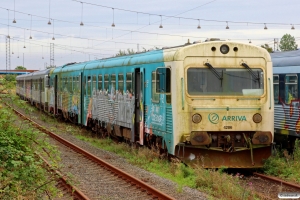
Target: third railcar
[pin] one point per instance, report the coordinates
(286, 97)
(209, 104)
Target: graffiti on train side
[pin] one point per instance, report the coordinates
(112, 107)
(156, 115)
(291, 119)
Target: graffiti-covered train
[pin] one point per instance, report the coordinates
(209, 104)
(286, 81)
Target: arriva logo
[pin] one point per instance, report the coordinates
(213, 118)
(234, 118)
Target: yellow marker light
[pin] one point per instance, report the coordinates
(196, 118)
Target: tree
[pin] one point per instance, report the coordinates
(287, 43)
(267, 47)
(20, 68)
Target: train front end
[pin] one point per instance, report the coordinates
(224, 105)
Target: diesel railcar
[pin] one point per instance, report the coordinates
(209, 104)
(286, 69)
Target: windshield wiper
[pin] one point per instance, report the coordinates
(256, 77)
(214, 71)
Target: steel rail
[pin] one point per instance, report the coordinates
(76, 193)
(277, 180)
(121, 174)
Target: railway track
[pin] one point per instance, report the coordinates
(120, 183)
(277, 180)
(69, 191)
(267, 187)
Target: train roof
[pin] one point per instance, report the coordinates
(34, 75)
(178, 53)
(286, 58)
(286, 62)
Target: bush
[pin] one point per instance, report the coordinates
(284, 165)
(22, 172)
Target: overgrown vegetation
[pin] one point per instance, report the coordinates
(131, 51)
(284, 165)
(22, 173)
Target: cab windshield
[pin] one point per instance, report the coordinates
(225, 81)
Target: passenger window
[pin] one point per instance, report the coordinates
(78, 89)
(89, 86)
(276, 88)
(43, 85)
(66, 84)
(163, 80)
(84, 85)
(51, 82)
(100, 82)
(121, 83)
(61, 84)
(113, 83)
(70, 85)
(106, 82)
(129, 83)
(74, 84)
(291, 91)
(155, 96)
(94, 83)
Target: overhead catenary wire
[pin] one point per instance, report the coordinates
(63, 47)
(84, 38)
(188, 18)
(128, 31)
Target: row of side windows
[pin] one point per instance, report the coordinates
(35, 84)
(160, 83)
(71, 84)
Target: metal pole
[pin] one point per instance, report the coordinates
(23, 60)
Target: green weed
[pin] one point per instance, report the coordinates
(284, 165)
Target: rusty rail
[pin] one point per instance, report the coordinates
(277, 180)
(76, 193)
(134, 181)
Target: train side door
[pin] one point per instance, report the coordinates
(81, 109)
(139, 105)
(55, 95)
(31, 91)
(40, 91)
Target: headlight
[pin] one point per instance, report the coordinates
(196, 118)
(224, 49)
(257, 118)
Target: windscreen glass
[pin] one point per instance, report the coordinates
(225, 81)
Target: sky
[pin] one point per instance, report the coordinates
(137, 26)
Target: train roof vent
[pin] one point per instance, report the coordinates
(69, 64)
(212, 39)
(197, 42)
